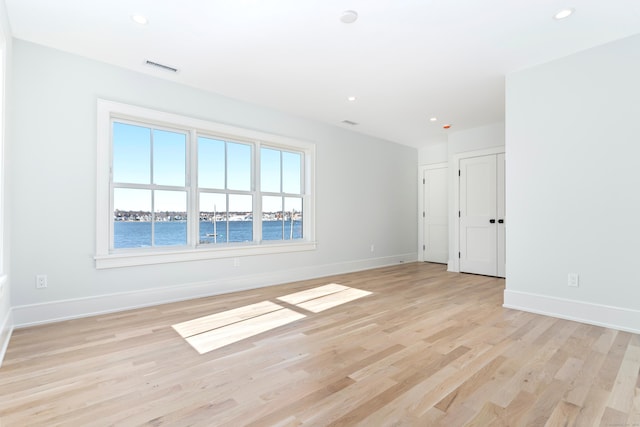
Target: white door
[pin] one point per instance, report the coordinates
(500, 188)
(482, 214)
(478, 239)
(435, 215)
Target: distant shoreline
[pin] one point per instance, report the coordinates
(206, 220)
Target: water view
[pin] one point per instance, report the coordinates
(135, 234)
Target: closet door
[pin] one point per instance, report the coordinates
(478, 215)
(435, 215)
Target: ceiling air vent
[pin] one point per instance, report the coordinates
(162, 66)
(349, 122)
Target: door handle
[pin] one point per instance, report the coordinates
(492, 221)
(501, 221)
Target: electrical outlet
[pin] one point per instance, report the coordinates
(236, 262)
(373, 248)
(41, 281)
(573, 280)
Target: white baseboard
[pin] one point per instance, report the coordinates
(6, 324)
(623, 319)
(6, 329)
(54, 311)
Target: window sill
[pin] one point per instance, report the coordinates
(131, 258)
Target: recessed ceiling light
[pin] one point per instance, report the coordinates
(349, 16)
(563, 14)
(139, 19)
(351, 98)
(433, 119)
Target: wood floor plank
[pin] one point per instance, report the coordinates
(458, 396)
(547, 398)
(430, 399)
(404, 382)
(490, 415)
(402, 406)
(634, 414)
(424, 347)
(564, 414)
(593, 407)
(518, 409)
(579, 384)
(622, 393)
(612, 417)
(608, 371)
(299, 404)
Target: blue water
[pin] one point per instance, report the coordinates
(133, 234)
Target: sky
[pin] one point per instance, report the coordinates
(136, 162)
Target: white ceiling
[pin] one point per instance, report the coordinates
(405, 60)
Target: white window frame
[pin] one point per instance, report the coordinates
(3, 73)
(282, 194)
(107, 258)
(151, 186)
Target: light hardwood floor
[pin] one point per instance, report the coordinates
(426, 347)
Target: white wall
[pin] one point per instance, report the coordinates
(479, 138)
(6, 321)
(366, 192)
(572, 176)
(456, 142)
(433, 154)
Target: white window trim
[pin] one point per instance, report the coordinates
(107, 110)
(3, 73)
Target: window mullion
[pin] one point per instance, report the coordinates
(226, 215)
(302, 173)
(153, 192)
(153, 218)
(257, 194)
(281, 172)
(283, 216)
(226, 164)
(111, 209)
(226, 191)
(193, 202)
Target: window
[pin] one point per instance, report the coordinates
(149, 186)
(281, 185)
(224, 188)
(172, 188)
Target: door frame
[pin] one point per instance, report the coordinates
(422, 169)
(454, 201)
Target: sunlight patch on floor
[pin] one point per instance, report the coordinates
(320, 291)
(226, 318)
(226, 335)
(217, 330)
(333, 300)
